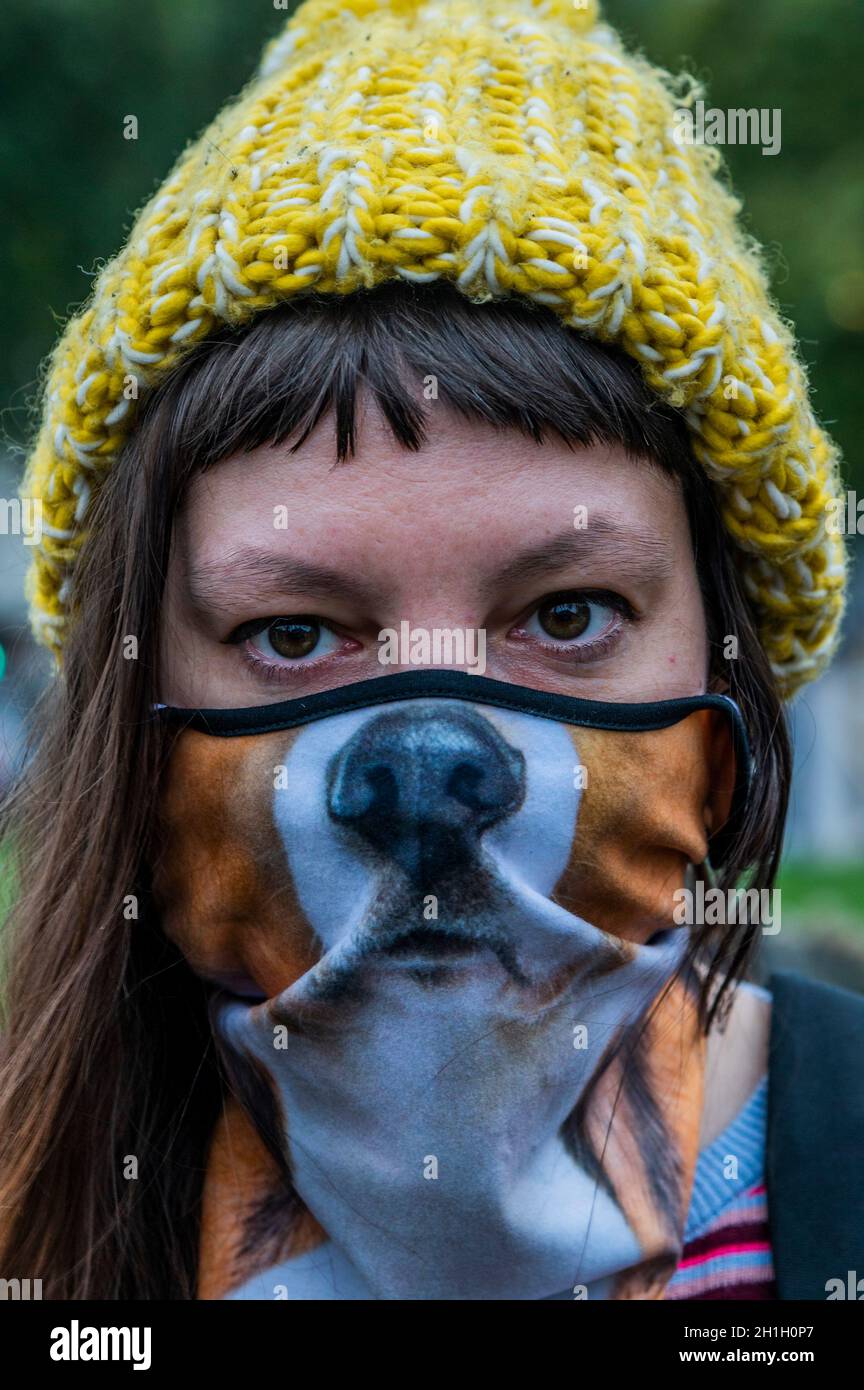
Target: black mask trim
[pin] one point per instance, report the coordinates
(460, 685)
(456, 685)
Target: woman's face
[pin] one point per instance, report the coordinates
(566, 570)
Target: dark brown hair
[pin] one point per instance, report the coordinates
(106, 1048)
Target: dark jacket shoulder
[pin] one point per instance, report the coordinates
(814, 1168)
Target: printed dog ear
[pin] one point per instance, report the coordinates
(642, 820)
(220, 877)
(724, 771)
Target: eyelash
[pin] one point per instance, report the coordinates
(275, 671)
(272, 671)
(587, 651)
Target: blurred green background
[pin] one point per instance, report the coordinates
(73, 69)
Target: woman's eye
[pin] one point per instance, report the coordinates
(293, 639)
(574, 620)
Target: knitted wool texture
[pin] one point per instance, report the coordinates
(511, 147)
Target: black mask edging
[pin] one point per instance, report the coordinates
(461, 685)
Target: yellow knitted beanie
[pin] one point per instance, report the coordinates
(512, 147)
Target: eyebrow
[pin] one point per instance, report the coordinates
(244, 575)
(635, 553)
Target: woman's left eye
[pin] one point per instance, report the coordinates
(288, 640)
(574, 621)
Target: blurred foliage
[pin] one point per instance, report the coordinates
(823, 896)
(73, 69)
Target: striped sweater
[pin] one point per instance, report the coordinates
(727, 1250)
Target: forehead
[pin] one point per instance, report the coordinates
(467, 478)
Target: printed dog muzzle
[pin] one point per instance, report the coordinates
(457, 1016)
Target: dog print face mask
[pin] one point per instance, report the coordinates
(459, 1025)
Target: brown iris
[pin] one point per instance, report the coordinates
(294, 637)
(564, 619)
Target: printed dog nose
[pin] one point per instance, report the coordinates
(422, 785)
